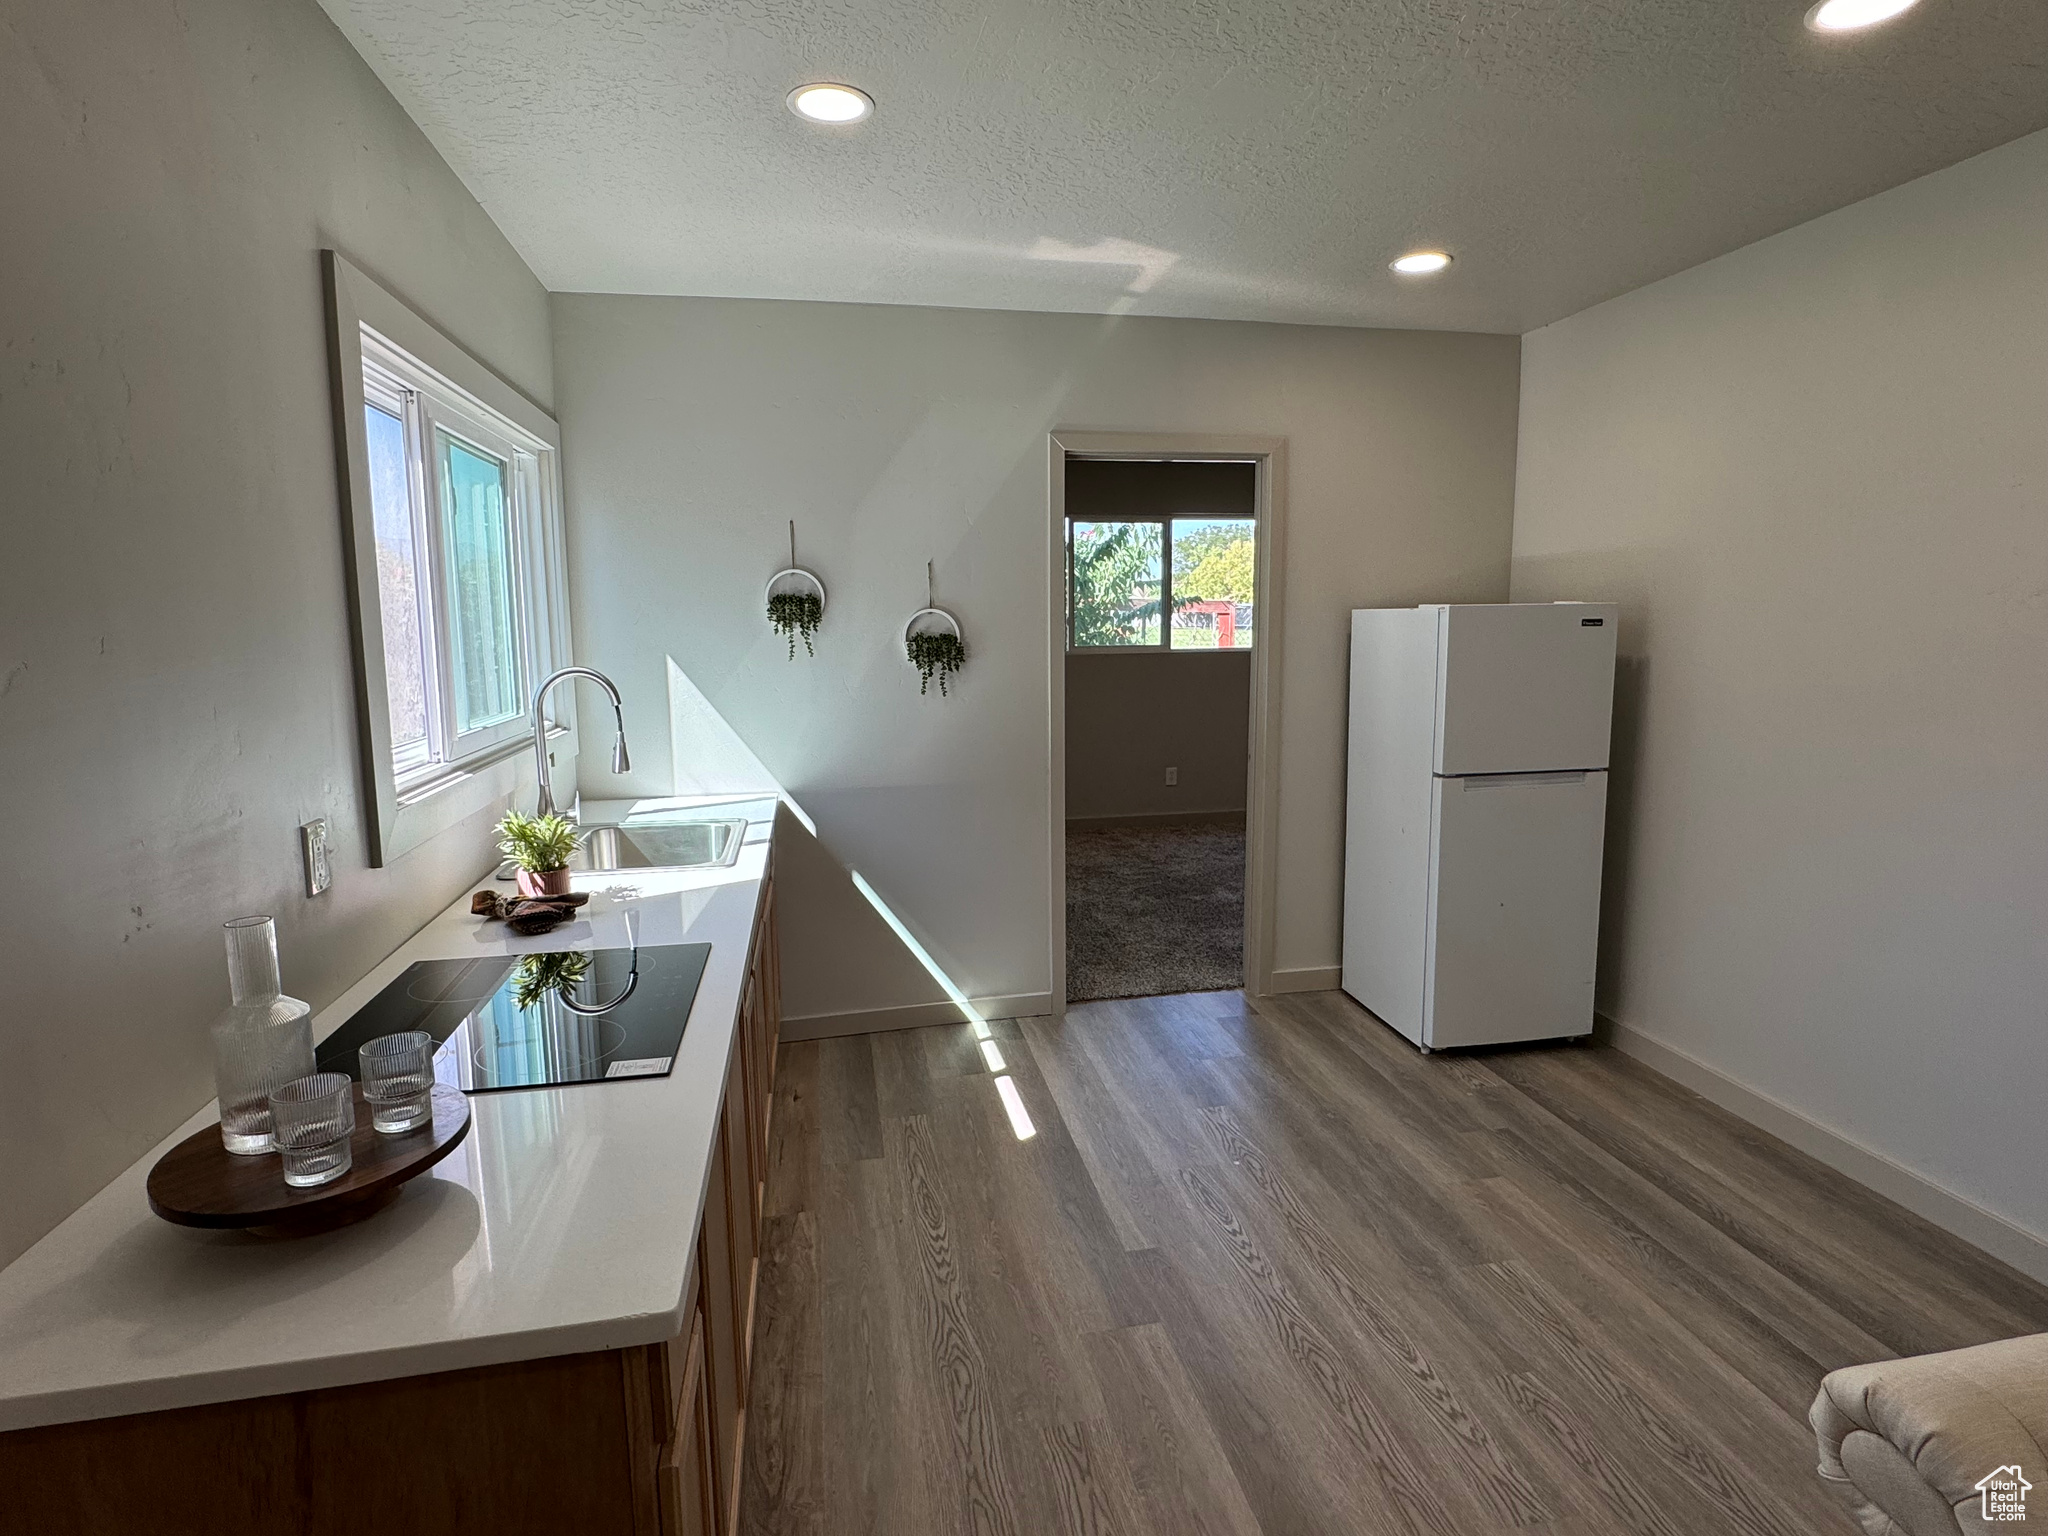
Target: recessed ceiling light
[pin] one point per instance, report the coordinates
(1420, 263)
(1849, 15)
(835, 104)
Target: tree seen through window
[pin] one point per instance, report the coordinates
(1196, 571)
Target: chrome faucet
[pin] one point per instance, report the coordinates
(620, 761)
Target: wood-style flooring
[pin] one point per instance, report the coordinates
(1277, 1272)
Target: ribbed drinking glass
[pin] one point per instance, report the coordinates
(315, 1118)
(398, 1080)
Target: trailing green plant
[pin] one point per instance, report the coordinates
(539, 975)
(538, 844)
(796, 615)
(937, 654)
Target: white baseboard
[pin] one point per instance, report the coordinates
(1308, 978)
(1224, 818)
(2025, 1251)
(867, 1021)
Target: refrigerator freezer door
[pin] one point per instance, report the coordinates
(1514, 908)
(1524, 687)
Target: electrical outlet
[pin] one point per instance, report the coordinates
(313, 846)
(1173, 775)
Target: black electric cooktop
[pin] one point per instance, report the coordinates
(535, 1021)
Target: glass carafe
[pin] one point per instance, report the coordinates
(262, 1042)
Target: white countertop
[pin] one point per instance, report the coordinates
(564, 1222)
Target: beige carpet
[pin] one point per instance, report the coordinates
(1153, 910)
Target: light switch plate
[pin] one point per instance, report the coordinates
(1173, 775)
(313, 845)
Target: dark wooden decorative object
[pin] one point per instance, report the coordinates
(199, 1183)
(528, 915)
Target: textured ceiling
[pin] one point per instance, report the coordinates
(1239, 159)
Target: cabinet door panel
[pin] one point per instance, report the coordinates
(676, 1353)
(739, 1154)
(748, 1063)
(740, 1170)
(722, 1353)
(688, 1500)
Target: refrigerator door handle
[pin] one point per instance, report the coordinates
(1504, 780)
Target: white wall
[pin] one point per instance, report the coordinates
(1814, 473)
(176, 689)
(693, 428)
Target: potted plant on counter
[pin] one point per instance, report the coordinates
(540, 847)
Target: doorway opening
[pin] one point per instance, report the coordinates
(1160, 698)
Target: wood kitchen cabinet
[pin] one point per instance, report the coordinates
(642, 1441)
(710, 1418)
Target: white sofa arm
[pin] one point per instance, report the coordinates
(1909, 1443)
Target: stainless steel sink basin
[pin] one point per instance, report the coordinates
(655, 845)
(661, 845)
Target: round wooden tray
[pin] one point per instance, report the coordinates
(199, 1183)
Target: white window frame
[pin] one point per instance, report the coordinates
(385, 354)
(387, 393)
(429, 410)
(1164, 522)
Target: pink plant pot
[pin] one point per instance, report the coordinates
(554, 882)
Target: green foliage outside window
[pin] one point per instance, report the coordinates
(1115, 595)
(1116, 583)
(1214, 565)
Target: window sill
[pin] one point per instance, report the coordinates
(418, 791)
(424, 810)
(1160, 650)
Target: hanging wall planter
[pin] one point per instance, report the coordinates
(933, 642)
(796, 602)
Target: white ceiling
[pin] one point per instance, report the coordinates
(1238, 159)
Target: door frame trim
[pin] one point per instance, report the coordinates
(1262, 791)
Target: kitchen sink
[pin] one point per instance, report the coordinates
(653, 845)
(661, 845)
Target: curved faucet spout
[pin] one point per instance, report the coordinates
(620, 760)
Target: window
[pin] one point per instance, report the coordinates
(451, 483)
(1174, 583)
(458, 501)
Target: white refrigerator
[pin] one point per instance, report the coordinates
(1476, 804)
